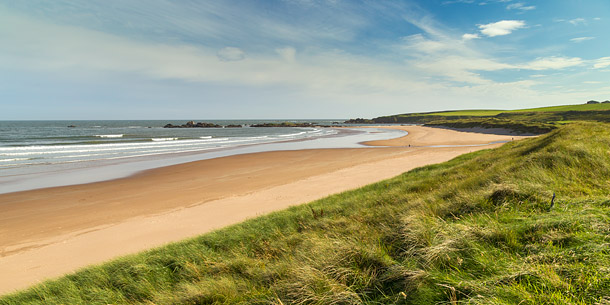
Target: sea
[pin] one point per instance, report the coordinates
(38, 154)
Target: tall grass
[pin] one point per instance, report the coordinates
(478, 229)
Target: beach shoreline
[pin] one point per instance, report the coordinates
(24, 178)
(53, 231)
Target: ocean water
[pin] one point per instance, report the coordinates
(29, 143)
(37, 154)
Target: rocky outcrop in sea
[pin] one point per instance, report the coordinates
(192, 124)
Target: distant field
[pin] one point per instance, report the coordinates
(468, 113)
(531, 120)
(585, 107)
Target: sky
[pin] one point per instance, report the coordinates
(297, 59)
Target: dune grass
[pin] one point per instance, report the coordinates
(479, 229)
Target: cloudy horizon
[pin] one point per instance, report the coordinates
(297, 59)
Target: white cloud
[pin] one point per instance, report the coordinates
(461, 68)
(553, 63)
(424, 45)
(520, 6)
(601, 63)
(231, 54)
(500, 28)
(63, 49)
(592, 82)
(581, 39)
(436, 65)
(577, 21)
(468, 36)
(439, 55)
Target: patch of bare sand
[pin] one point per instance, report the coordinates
(430, 136)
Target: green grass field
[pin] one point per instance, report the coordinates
(584, 107)
(479, 229)
(534, 120)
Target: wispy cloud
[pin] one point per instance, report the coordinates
(578, 21)
(436, 53)
(420, 44)
(323, 59)
(520, 6)
(67, 49)
(209, 23)
(231, 54)
(601, 63)
(553, 63)
(468, 36)
(581, 39)
(501, 28)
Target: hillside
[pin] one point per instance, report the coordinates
(564, 108)
(533, 120)
(479, 229)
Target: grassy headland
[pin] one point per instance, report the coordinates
(478, 229)
(534, 120)
(564, 108)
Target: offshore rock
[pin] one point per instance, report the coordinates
(192, 124)
(284, 124)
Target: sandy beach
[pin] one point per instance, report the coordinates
(45, 233)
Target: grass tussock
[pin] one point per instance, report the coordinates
(479, 229)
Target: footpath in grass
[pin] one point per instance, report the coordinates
(480, 229)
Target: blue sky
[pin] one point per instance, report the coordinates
(159, 59)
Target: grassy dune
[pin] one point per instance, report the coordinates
(479, 229)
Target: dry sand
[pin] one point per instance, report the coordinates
(49, 232)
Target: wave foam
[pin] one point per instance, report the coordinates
(163, 139)
(14, 159)
(292, 134)
(109, 135)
